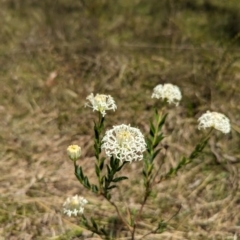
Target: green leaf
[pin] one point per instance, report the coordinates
(94, 224)
(79, 173)
(156, 116)
(119, 168)
(101, 163)
(94, 188)
(104, 231)
(96, 148)
(97, 170)
(111, 187)
(96, 131)
(152, 129)
(84, 220)
(102, 122)
(108, 196)
(158, 140)
(112, 162)
(149, 144)
(108, 170)
(155, 154)
(118, 179)
(106, 180)
(102, 180)
(161, 227)
(150, 168)
(162, 122)
(86, 182)
(117, 162)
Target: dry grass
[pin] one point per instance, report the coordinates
(54, 53)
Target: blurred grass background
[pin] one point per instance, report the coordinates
(53, 53)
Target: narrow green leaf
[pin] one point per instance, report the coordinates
(104, 231)
(101, 163)
(152, 129)
(121, 166)
(108, 170)
(162, 122)
(144, 173)
(156, 116)
(111, 187)
(94, 188)
(102, 122)
(86, 182)
(159, 138)
(84, 220)
(161, 227)
(118, 179)
(96, 132)
(150, 168)
(106, 180)
(116, 164)
(112, 162)
(149, 144)
(94, 224)
(155, 154)
(97, 170)
(79, 173)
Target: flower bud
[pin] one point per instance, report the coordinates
(74, 152)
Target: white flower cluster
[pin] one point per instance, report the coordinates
(74, 205)
(101, 103)
(169, 92)
(215, 120)
(125, 143)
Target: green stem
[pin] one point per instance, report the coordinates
(155, 134)
(195, 153)
(154, 130)
(99, 128)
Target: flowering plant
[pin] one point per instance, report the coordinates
(124, 144)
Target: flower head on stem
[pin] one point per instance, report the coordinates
(74, 152)
(214, 120)
(101, 103)
(125, 143)
(74, 205)
(168, 92)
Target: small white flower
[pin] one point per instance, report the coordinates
(216, 120)
(101, 103)
(74, 152)
(125, 143)
(74, 205)
(169, 92)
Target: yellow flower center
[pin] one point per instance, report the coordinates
(100, 98)
(123, 137)
(74, 202)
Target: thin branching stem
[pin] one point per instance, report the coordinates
(157, 228)
(157, 172)
(119, 214)
(149, 177)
